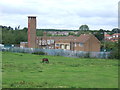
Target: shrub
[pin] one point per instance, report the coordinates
(115, 53)
(39, 53)
(87, 55)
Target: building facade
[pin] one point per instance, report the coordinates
(85, 42)
(62, 32)
(112, 38)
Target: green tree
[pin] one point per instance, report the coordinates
(99, 34)
(39, 33)
(116, 30)
(25, 29)
(108, 45)
(70, 33)
(84, 27)
(115, 53)
(13, 36)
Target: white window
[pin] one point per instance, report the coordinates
(68, 47)
(48, 42)
(75, 44)
(52, 41)
(62, 46)
(40, 42)
(44, 42)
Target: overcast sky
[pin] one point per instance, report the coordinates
(60, 14)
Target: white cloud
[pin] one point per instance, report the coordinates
(68, 14)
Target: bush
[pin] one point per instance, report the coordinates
(39, 53)
(87, 55)
(115, 53)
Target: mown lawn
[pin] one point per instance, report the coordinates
(21, 70)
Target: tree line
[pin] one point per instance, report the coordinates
(11, 36)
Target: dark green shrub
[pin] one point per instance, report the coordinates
(87, 55)
(39, 53)
(115, 53)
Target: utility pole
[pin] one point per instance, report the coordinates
(104, 41)
(104, 44)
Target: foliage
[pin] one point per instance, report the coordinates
(71, 33)
(84, 27)
(25, 29)
(13, 36)
(87, 55)
(39, 32)
(116, 30)
(21, 70)
(39, 53)
(115, 53)
(83, 32)
(49, 34)
(108, 45)
(6, 27)
(10, 36)
(113, 47)
(99, 34)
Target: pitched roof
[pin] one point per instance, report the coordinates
(107, 35)
(82, 38)
(116, 34)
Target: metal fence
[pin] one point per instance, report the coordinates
(59, 52)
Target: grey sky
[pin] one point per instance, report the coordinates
(60, 14)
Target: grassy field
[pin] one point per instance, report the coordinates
(22, 70)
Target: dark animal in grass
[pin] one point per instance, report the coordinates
(45, 60)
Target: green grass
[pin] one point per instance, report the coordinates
(21, 70)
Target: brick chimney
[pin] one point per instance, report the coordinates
(31, 31)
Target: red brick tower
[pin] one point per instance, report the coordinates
(31, 32)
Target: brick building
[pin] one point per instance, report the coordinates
(85, 42)
(62, 32)
(112, 38)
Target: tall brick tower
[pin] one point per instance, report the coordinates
(31, 32)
